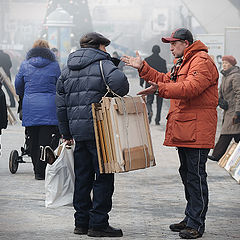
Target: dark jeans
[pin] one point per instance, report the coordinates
(194, 177)
(41, 136)
(222, 144)
(150, 99)
(92, 213)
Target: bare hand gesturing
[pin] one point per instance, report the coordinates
(150, 90)
(135, 62)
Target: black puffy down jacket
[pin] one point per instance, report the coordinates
(80, 85)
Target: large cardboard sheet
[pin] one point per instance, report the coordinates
(122, 134)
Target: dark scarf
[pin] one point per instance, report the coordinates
(175, 68)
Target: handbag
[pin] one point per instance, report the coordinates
(223, 104)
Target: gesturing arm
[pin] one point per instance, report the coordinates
(198, 79)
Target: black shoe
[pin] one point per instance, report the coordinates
(39, 177)
(80, 230)
(107, 232)
(157, 123)
(177, 227)
(189, 233)
(150, 117)
(212, 158)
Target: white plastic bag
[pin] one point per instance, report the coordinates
(0, 146)
(60, 178)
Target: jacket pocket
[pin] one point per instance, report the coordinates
(184, 127)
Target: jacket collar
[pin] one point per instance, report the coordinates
(230, 71)
(197, 46)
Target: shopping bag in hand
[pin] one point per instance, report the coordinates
(60, 178)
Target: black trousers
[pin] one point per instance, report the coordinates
(150, 99)
(194, 177)
(91, 212)
(223, 143)
(47, 135)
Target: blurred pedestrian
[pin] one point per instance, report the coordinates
(3, 111)
(3, 108)
(6, 64)
(117, 61)
(56, 53)
(192, 119)
(36, 84)
(158, 63)
(80, 85)
(229, 101)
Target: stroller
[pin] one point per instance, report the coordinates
(15, 158)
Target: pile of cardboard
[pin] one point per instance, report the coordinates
(122, 134)
(231, 161)
(5, 78)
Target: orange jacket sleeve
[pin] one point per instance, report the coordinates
(202, 74)
(150, 74)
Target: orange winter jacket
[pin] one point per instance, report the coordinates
(192, 117)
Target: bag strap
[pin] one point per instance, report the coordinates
(109, 90)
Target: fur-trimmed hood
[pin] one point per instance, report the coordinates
(40, 57)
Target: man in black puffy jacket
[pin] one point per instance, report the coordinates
(79, 86)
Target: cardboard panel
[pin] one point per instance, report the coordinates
(224, 159)
(232, 161)
(122, 134)
(136, 158)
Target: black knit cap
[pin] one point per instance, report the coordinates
(93, 40)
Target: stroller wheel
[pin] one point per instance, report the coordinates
(13, 161)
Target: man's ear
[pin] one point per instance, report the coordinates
(187, 42)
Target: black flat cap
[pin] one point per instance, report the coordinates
(93, 40)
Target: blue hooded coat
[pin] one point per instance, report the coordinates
(36, 83)
(80, 85)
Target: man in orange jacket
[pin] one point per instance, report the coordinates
(192, 119)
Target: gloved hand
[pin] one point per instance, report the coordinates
(223, 104)
(236, 118)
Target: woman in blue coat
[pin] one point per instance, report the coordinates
(36, 84)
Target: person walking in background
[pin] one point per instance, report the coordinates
(36, 84)
(191, 121)
(117, 61)
(158, 63)
(56, 53)
(229, 101)
(6, 64)
(80, 85)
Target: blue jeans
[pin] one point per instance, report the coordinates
(91, 213)
(194, 177)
